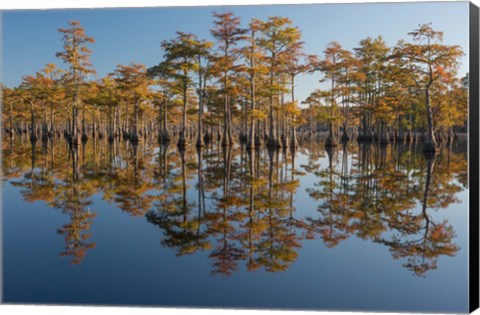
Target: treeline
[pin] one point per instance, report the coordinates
(241, 87)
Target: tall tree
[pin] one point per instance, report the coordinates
(429, 60)
(181, 54)
(164, 77)
(331, 67)
(54, 96)
(278, 38)
(297, 63)
(76, 55)
(255, 68)
(371, 55)
(228, 33)
(202, 53)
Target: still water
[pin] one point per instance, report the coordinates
(361, 226)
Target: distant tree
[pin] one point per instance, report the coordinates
(34, 91)
(336, 58)
(371, 55)
(165, 79)
(135, 83)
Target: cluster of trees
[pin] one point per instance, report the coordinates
(392, 93)
(240, 205)
(242, 86)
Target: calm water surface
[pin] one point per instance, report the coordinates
(363, 227)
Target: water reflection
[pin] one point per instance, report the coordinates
(242, 207)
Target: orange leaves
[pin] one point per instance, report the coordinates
(227, 29)
(441, 233)
(133, 80)
(76, 53)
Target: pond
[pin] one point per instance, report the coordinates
(361, 226)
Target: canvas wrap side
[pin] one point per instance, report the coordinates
(473, 158)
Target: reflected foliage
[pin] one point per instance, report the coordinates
(252, 209)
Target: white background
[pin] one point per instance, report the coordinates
(82, 310)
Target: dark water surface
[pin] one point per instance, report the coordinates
(364, 227)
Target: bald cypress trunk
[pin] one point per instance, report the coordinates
(430, 142)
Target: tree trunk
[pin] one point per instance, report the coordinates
(272, 137)
(33, 135)
(293, 141)
(134, 135)
(200, 142)
(182, 140)
(430, 142)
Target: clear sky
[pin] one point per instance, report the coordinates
(31, 39)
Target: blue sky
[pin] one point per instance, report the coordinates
(31, 39)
